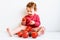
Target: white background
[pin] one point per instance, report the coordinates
(11, 12)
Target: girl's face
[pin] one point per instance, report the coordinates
(30, 11)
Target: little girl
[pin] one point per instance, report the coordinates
(31, 19)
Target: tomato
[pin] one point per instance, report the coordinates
(24, 19)
(28, 28)
(34, 34)
(25, 34)
(19, 34)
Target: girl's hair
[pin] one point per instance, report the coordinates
(32, 4)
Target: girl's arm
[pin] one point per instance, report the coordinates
(37, 22)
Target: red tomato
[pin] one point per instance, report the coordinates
(34, 34)
(19, 34)
(25, 34)
(28, 28)
(24, 19)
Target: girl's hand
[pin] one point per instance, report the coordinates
(32, 22)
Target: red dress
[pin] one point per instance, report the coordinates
(35, 18)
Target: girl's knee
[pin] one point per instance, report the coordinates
(42, 27)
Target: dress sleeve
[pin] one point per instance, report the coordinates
(37, 22)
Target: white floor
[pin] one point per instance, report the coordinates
(46, 36)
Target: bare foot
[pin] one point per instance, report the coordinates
(8, 30)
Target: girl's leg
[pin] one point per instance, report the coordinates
(40, 30)
(16, 30)
(36, 29)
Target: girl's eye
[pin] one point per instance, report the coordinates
(27, 11)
